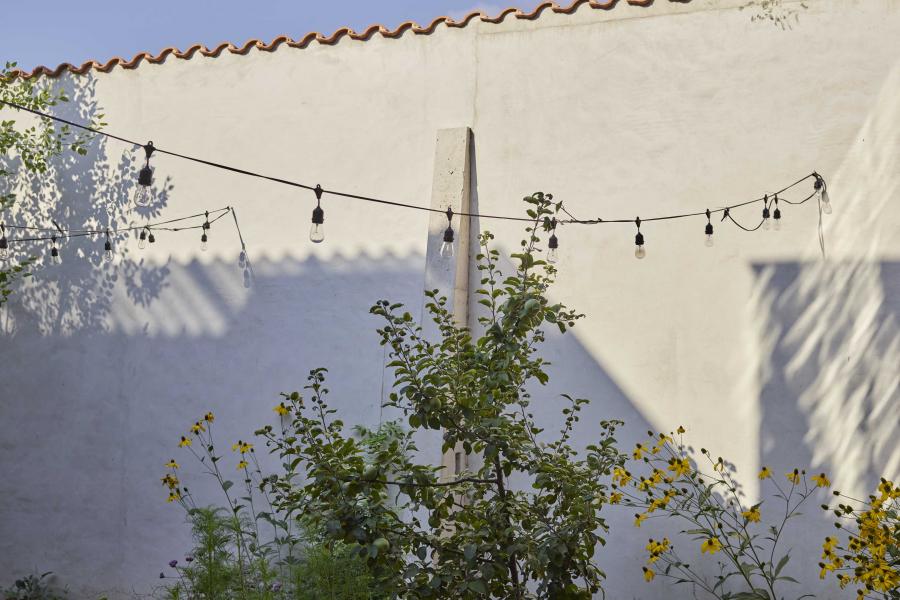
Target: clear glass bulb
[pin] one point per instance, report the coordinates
(766, 224)
(204, 246)
(242, 259)
(639, 252)
(142, 242)
(826, 203)
(446, 249)
(142, 195)
(4, 253)
(108, 255)
(709, 240)
(777, 225)
(56, 257)
(317, 233)
(553, 256)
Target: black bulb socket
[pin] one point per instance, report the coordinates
(318, 216)
(3, 243)
(151, 238)
(448, 235)
(776, 214)
(766, 212)
(54, 252)
(639, 239)
(145, 177)
(107, 246)
(553, 243)
(143, 236)
(709, 229)
(204, 238)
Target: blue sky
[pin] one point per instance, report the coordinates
(55, 31)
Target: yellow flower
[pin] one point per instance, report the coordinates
(242, 465)
(621, 476)
(184, 442)
(765, 473)
(638, 452)
(681, 467)
(172, 464)
(793, 476)
(209, 417)
(615, 498)
(638, 519)
(241, 446)
(752, 515)
(281, 409)
(170, 480)
(712, 545)
(680, 429)
(173, 497)
(198, 427)
(821, 480)
(648, 574)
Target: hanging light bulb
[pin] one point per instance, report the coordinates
(639, 251)
(766, 224)
(447, 244)
(142, 239)
(55, 256)
(553, 244)
(151, 238)
(242, 257)
(145, 179)
(204, 239)
(4, 245)
(709, 230)
(108, 249)
(317, 229)
(822, 192)
(776, 215)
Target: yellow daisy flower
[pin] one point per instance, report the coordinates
(184, 442)
(752, 515)
(639, 518)
(821, 480)
(648, 574)
(242, 465)
(209, 417)
(712, 545)
(172, 464)
(765, 473)
(615, 498)
(793, 476)
(173, 497)
(281, 409)
(197, 427)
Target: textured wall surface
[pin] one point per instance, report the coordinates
(766, 353)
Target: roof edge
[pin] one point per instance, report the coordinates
(307, 39)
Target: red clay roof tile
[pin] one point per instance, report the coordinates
(321, 39)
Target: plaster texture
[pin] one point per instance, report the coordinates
(762, 350)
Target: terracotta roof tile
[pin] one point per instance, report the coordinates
(311, 37)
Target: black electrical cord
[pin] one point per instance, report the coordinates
(304, 186)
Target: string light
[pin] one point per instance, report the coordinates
(145, 178)
(4, 245)
(709, 229)
(204, 239)
(317, 229)
(639, 251)
(142, 239)
(776, 215)
(553, 245)
(150, 237)
(447, 244)
(55, 257)
(766, 224)
(108, 249)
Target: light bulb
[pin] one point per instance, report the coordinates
(55, 256)
(709, 240)
(4, 253)
(142, 240)
(142, 193)
(777, 225)
(446, 249)
(242, 259)
(204, 242)
(108, 253)
(826, 202)
(4, 247)
(708, 230)
(639, 252)
(317, 233)
(766, 224)
(553, 256)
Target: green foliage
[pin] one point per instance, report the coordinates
(34, 587)
(429, 534)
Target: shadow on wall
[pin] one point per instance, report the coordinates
(81, 192)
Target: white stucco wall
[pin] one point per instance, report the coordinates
(764, 352)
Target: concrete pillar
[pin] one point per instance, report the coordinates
(450, 187)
